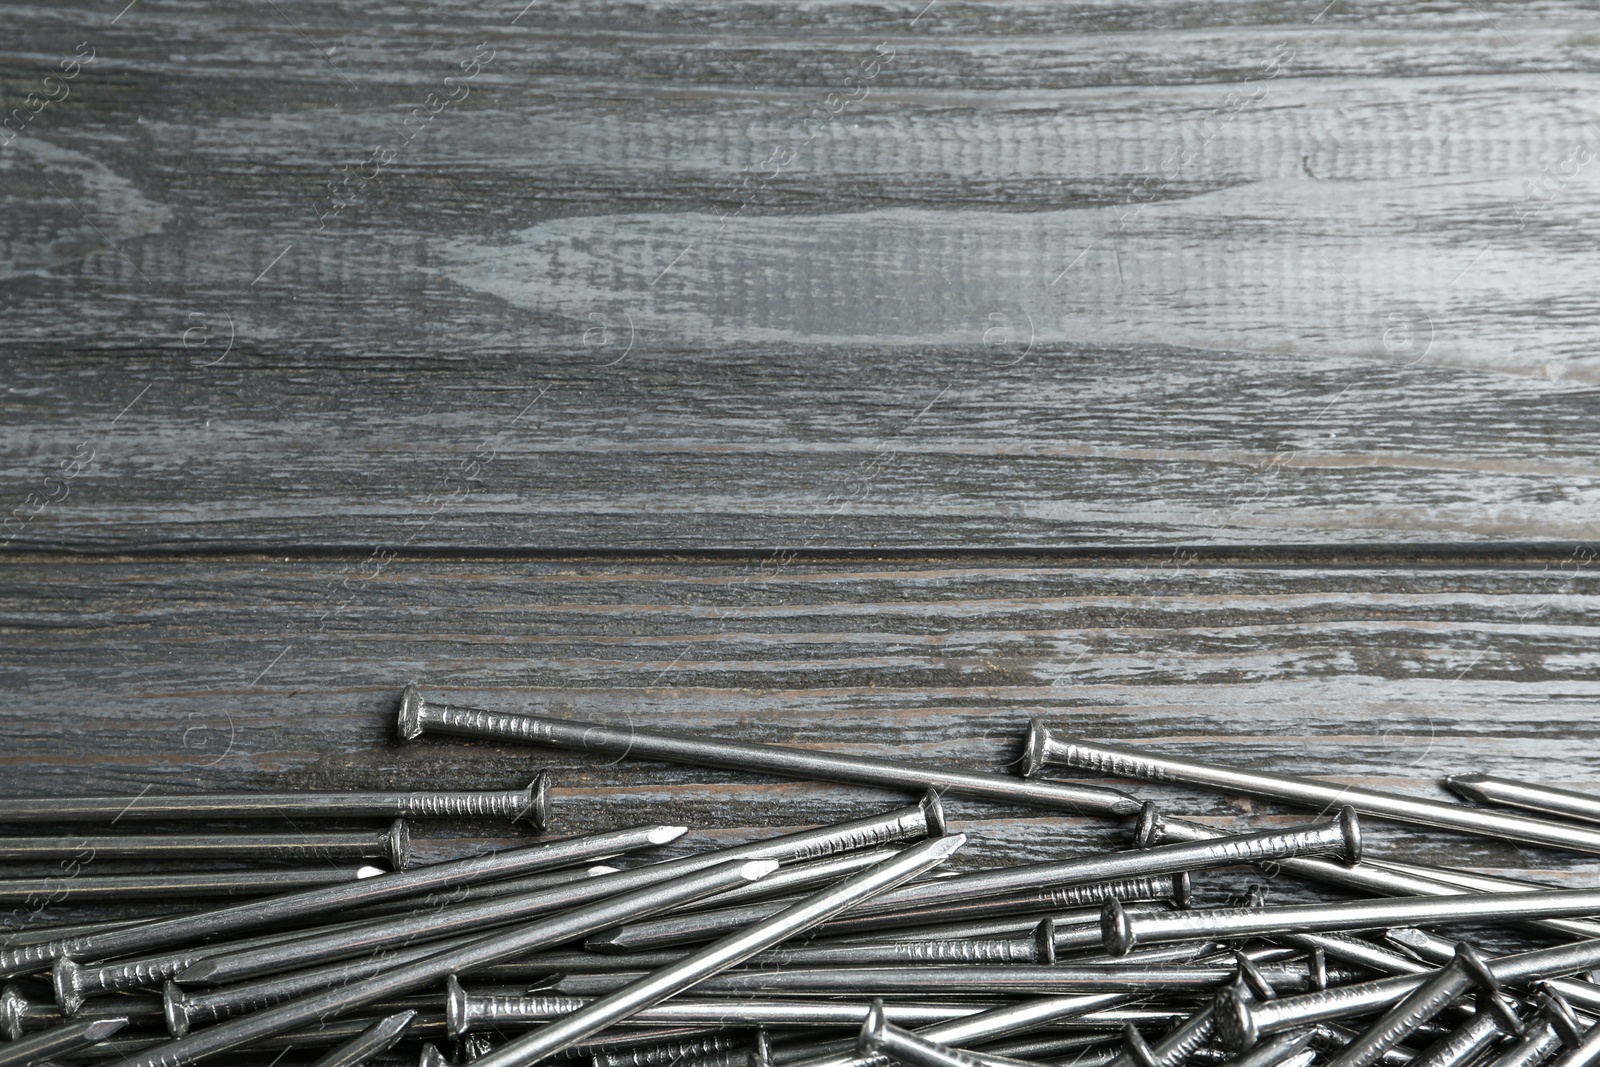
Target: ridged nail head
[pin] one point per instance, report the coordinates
(398, 843)
(175, 1006)
(409, 724)
(66, 978)
(535, 810)
(1033, 750)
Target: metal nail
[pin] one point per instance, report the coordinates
(74, 982)
(1097, 1011)
(666, 1054)
(1463, 1043)
(1555, 1026)
(467, 919)
(468, 1010)
(1175, 1048)
(1241, 1023)
(1122, 932)
(465, 893)
(971, 979)
(1526, 796)
(1379, 877)
(530, 804)
(915, 905)
(125, 940)
(1045, 748)
(1024, 906)
(1341, 838)
(798, 876)
(1355, 950)
(393, 845)
(1587, 1052)
(179, 885)
(1077, 929)
(727, 952)
(878, 1035)
(528, 937)
(1439, 950)
(1468, 882)
(20, 1015)
(64, 1038)
(418, 716)
(1273, 1051)
(380, 1037)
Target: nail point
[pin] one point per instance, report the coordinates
(755, 870)
(662, 835)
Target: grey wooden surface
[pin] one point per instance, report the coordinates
(862, 376)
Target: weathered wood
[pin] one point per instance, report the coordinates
(285, 674)
(1099, 274)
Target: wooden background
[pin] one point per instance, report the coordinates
(865, 376)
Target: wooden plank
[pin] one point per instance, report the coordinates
(253, 674)
(1352, 303)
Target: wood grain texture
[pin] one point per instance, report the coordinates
(1097, 274)
(273, 674)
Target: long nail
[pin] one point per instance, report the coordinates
(1555, 1026)
(1273, 1051)
(1440, 950)
(467, 1010)
(666, 1054)
(479, 952)
(1460, 882)
(990, 1025)
(74, 982)
(378, 1038)
(463, 894)
(126, 940)
(1123, 932)
(1463, 1043)
(1377, 877)
(418, 716)
(20, 1015)
(1341, 838)
(530, 804)
(878, 1035)
(1586, 1054)
(1525, 796)
(979, 979)
(1241, 1023)
(393, 845)
(179, 885)
(725, 953)
(64, 1038)
(466, 919)
(914, 905)
(1045, 748)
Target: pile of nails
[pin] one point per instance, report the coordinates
(838, 946)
